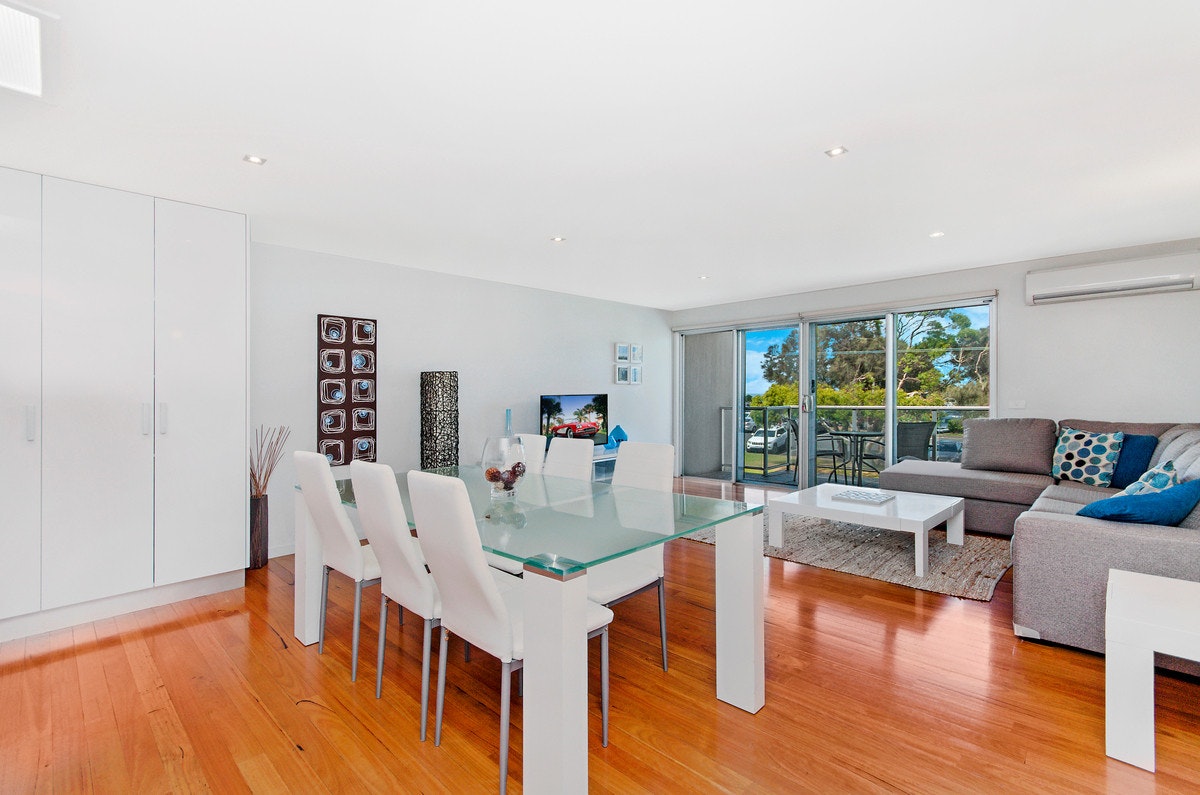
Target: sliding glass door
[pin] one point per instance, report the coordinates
(895, 385)
(769, 420)
(709, 411)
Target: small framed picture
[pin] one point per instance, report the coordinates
(622, 352)
(635, 352)
(635, 374)
(622, 374)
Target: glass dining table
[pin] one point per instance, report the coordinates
(558, 528)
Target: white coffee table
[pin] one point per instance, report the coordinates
(908, 512)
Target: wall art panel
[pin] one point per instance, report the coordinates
(346, 372)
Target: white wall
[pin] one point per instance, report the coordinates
(1124, 358)
(1131, 358)
(509, 345)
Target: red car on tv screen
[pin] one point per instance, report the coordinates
(575, 429)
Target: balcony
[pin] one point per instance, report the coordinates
(772, 452)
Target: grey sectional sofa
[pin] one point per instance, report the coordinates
(1061, 560)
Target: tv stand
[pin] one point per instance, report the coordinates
(603, 462)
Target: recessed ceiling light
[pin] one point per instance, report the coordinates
(21, 43)
(702, 278)
(937, 234)
(837, 151)
(255, 160)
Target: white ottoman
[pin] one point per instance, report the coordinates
(1144, 614)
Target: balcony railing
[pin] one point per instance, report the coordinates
(774, 457)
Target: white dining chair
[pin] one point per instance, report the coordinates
(535, 452)
(473, 608)
(569, 458)
(405, 579)
(340, 548)
(645, 466)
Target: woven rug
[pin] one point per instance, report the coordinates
(970, 571)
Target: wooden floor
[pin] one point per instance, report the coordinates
(871, 687)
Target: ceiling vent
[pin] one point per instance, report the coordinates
(1110, 279)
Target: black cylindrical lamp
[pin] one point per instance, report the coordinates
(439, 419)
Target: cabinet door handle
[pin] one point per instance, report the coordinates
(31, 423)
(162, 419)
(147, 417)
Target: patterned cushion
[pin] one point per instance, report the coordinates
(1161, 477)
(1087, 457)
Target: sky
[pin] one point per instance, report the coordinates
(757, 343)
(570, 403)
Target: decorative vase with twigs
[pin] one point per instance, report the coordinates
(264, 456)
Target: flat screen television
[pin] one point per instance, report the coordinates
(579, 416)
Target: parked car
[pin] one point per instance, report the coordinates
(748, 423)
(949, 449)
(945, 418)
(575, 429)
(775, 440)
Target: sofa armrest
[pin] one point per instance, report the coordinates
(1061, 563)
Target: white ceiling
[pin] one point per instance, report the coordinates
(663, 140)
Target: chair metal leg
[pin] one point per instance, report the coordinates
(441, 691)
(324, 609)
(505, 706)
(662, 620)
(604, 687)
(400, 607)
(521, 683)
(428, 643)
(357, 618)
(466, 652)
(383, 603)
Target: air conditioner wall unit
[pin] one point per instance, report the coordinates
(1110, 279)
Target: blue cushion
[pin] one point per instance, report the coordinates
(1134, 459)
(1167, 507)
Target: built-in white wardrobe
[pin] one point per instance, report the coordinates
(122, 395)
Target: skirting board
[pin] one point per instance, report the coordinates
(71, 615)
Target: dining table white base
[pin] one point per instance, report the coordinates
(556, 698)
(741, 655)
(306, 622)
(555, 719)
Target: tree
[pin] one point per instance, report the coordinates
(781, 363)
(971, 358)
(551, 412)
(940, 360)
(777, 395)
(853, 352)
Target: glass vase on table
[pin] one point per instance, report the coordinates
(503, 465)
